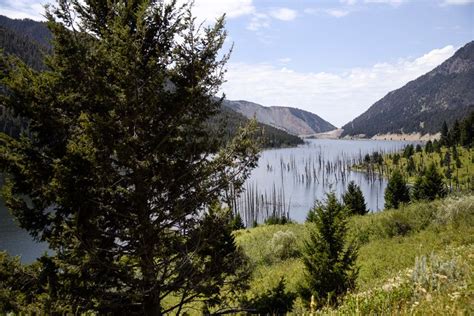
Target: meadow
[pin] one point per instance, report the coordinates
(417, 259)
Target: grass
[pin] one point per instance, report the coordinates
(461, 178)
(423, 159)
(391, 243)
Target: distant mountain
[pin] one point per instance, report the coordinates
(271, 137)
(30, 41)
(37, 31)
(444, 94)
(291, 120)
(27, 39)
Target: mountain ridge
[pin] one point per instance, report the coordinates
(29, 40)
(445, 93)
(292, 120)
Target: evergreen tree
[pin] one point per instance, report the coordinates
(467, 131)
(430, 185)
(354, 200)
(367, 159)
(397, 191)
(329, 261)
(411, 166)
(447, 159)
(236, 222)
(119, 169)
(408, 151)
(455, 133)
(396, 159)
(436, 146)
(429, 147)
(444, 140)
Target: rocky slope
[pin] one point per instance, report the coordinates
(444, 94)
(291, 120)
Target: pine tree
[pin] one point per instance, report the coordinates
(436, 146)
(455, 133)
(411, 166)
(119, 167)
(430, 185)
(397, 191)
(444, 140)
(467, 131)
(354, 200)
(329, 260)
(429, 147)
(408, 151)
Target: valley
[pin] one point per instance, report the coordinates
(140, 177)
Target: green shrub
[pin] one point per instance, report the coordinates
(283, 245)
(397, 224)
(277, 220)
(456, 211)
(433, 272)
(275, 301)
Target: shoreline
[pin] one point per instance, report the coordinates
(336, 134)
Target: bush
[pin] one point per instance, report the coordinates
(277, 220)
(276, 301)
(433, 272)
(397, 224)
(455, 211)
(283, 245)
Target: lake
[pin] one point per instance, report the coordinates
(290, 180)
(287, 180)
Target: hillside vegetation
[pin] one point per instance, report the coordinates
(30, 41)
(444, 94)
(292, 120)
(417, 259)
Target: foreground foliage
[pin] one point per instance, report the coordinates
(123, 179)
(328, 259)
(438, 233)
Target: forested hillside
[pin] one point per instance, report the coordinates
(444, 94)
(30, 41)
(292, 120)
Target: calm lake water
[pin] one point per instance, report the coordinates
(287, 180)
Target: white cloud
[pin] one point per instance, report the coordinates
(337, 13)
(212, 9)
(258, 21)
(348, 2)
(390, 2)
(337, 97)
(23, 9)
(284, 60)
(456, 2)
(283, 14)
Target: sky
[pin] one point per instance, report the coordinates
(334, 58)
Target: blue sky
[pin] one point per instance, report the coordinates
(334, 58)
